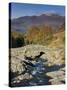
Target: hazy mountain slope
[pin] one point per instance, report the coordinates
(22, 23)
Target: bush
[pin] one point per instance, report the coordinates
(17, 39)
(19, 42)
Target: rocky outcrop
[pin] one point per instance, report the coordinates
(58, 77)
(52, 60)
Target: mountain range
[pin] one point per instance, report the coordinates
(21, 24)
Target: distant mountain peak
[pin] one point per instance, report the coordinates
(51, 14)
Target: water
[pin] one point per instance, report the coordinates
(38, 73)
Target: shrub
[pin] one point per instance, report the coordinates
(17, 39)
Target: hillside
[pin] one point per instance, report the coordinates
(58, 40)
(59, 37)
(22, 23)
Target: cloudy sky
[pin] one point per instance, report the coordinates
(21, 9)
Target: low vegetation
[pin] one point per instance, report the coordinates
(42, 35)
(39, 35)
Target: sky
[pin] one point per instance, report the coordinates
(22, 9)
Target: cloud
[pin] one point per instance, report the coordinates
(49, 13)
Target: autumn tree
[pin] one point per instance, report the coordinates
(39, 35)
